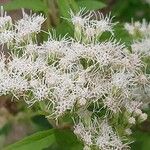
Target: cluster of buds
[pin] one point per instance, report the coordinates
(140, 31)
(137, 28)
(76, 76)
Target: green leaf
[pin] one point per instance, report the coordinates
(5, 129)
(53, 139)
(36, 141)
(74, 5)
(35, 5)
(65, 6)
(124, 10)
(63, 28)
(142, 141)
(91, 4)
(41, 122)
(65, 140)
(121, 34)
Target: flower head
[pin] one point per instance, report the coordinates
(22, 26)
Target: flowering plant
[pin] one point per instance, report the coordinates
(101, 86)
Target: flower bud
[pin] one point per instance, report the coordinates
(131, 120)
(82, 101)
(128, 131)
(138, 112)
(86, 148)
(143, 117)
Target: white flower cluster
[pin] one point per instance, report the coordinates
(147, 1)
(138, 28)
(22, 31)
(141, 32)
(99, 135)
(141, 45)
(66, 75)
(86, 29)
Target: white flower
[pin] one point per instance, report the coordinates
(107, 138)
(2, 62)
(132, 62)
(52, 76)
(129, 28)
(86, 148)
(128, 131)
(91, 28)
(132, 120)
(121, 80)
(99, 134)
(39, 89)
(109, 52)
(5, 21)
(138, 112)
(6, 36)
(79, 19)
(113, 103)
(143, 117)
(95, 81)
(33, 49)
(147, 1)
(27, 25)
(103, 23)
(142, 28)
(133, 106)
(13, 83)
(94, 28)
(4, 81)
(26, 65)
(62, 105)
(142, 47)
(82, 101)
(83, 133)
(18, 84)
(54, 46)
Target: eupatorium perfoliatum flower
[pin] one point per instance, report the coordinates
(99, 84)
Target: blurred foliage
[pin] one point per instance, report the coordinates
(91, 5)
(36, 5)
(125, 10)
(142, 141)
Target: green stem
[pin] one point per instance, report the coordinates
(48, 21)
